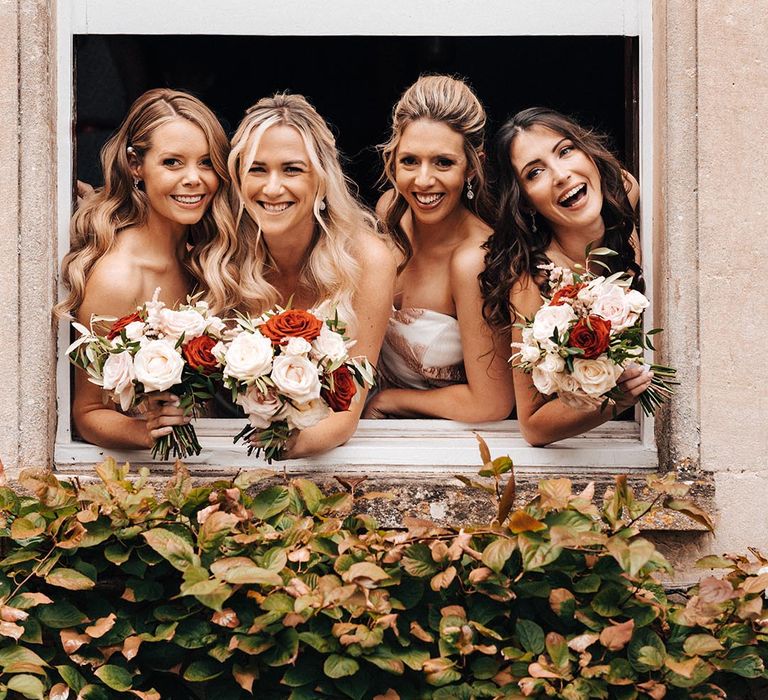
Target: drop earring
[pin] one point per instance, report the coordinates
(136, 182)
(534, 229)
(470, 193)
(321, 206)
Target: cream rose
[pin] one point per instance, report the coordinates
(158, 365)
(248, 356)
(612, 305)
(527, 353)
(637, 301)
(550, 317)
(296, 346)
(188, 321)
(296, 377)
(329, 344)
(260, 409)
(118, 376)
(544, 381)
(307, 414)
(596, 376)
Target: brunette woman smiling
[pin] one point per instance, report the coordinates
(560, 191)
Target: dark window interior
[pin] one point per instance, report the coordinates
(354, 82)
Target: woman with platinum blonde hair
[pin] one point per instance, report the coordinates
(162, 219)
(439, 357)
(304, 238)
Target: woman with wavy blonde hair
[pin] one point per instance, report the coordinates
(304, 238)
(439, 357)
(162, 219)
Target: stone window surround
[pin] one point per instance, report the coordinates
(431, 445)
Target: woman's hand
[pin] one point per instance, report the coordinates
(634, 380)
(162, 413)
(285, 453)
(376, 407)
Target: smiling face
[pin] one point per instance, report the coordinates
(281, 183)
(559, 180)
(430, 170)
(179, 179)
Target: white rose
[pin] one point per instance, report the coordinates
(568, 383)
(188, 321)
(637, 302)
(329, 344)
(612, 305)
(296, 377)
(260, 409)
(550, 317)
(596, 376)
(528, 353)
(552, 362)
(158, 365)
(296, 346)
(118, 378)
(214, 326)
(248, 356)
(579, 400)
(307, 414)
(545, 382)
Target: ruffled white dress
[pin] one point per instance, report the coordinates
(421, 350)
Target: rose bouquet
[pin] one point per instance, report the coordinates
(155, 349)
(586, 333)
(288, 370)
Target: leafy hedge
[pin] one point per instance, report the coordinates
(110, 591)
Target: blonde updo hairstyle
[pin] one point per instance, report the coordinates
(332, 267)
(446, 100)
(120, 205)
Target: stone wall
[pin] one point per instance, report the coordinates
(710, 111)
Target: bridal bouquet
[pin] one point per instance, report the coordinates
(155, 349)
(581, 339)
(288, 370)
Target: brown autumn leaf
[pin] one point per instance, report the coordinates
(11, 629)
(682, 667)
(557, 597)
(9, 614)
(131, 646)
(554, 494)
(716, 590)
(72, 640)
(420, 633)
(101, 626)
(453, 611)
(656, 690)
(225, 618)
(582, 641)
(485, 452)
(245, 676)
(443, 579)
(479, 575)
(750, 609)
(539, 670)
(293, 619)
(520, 521)
(617, 635)
(439, 551)
(389, 695)
(507, 500)
(755, 584)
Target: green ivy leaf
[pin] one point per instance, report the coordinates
(71, 676)
(496, 554)
(417, 561)
(240, 570)
(17, 655)
(531, 636)
(116, 677)
(60, 615)
(270, 502)
(70, 579)
(646, 651)
(27, 685)
(698, 644)
(337, 666)
(311, 495)
(173, 548)
(203, 670)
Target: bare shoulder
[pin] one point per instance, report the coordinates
(376, 256)
(525, 295)
(113, 287)
(632, 187)
(468, 258)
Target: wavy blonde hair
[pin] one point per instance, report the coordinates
(447, 100)
(120, 205)
(332, 266)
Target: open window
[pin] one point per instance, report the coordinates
(352, 63)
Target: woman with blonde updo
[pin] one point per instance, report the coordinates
(439, 357)
(162, 219)
(304, 238)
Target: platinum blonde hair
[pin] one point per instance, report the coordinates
(120, 205)
(332, 266)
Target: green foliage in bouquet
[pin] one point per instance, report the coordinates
(108, 590)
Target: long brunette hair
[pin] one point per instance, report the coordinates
(516, 247)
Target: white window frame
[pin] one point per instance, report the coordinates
(377, 446)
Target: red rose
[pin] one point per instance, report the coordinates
(592, 335)
(197, 353)
(121, 323)
(570, 291)
(293, 323)
(344, 390)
